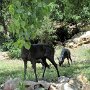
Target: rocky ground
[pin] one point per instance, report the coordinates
(63, 83)
(79, 40)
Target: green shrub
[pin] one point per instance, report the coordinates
(7, 45)
(46, 33)
(14, 51)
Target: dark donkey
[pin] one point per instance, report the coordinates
(65, 53)
(38, 51)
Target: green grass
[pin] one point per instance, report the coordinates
(14, 68)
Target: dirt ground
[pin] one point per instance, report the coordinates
(4, 55)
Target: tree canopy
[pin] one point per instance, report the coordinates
(26, 18)
(78, 10)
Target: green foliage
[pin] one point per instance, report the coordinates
(46, 33)
(26, 17)
(57, 13)
(77, 10)
(14, 51)
(7, 43)
(85, 14)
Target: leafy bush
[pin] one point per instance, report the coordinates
(2, 38)
(14, 51)
(46, 32)
(7, 45)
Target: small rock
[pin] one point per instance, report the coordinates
(52, 87)
(68, 87)
(63, 79)
(11, 84)
(39, 87)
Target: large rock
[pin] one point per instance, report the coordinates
(63, 83)
(83, 39)
(11, 84)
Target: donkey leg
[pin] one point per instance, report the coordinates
(34, 67)
(25, 69)
(68, 62)
(44, 72)
(55, 65)
(70, 59)
(45, 65)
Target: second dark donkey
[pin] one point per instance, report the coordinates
(65, 53)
